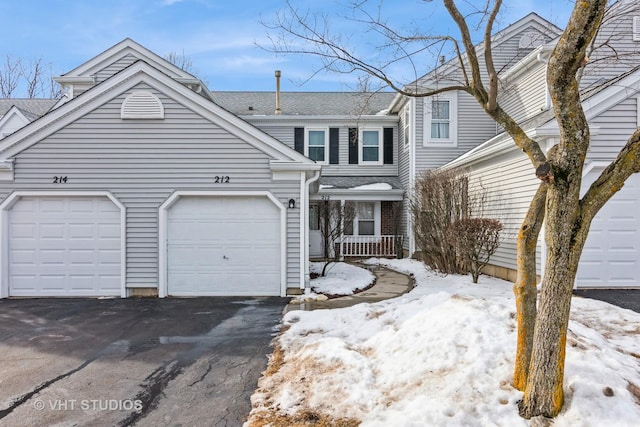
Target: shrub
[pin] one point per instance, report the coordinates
(440, 198)
(475, 240)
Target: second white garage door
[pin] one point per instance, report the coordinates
(223, 246)
(611, 256)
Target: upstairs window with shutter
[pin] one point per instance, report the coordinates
(317, 145)
(636, 28)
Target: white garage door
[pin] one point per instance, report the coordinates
(611, 257)
(223, 246)
(64, 246)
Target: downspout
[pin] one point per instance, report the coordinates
(304, 229)
(412, 174)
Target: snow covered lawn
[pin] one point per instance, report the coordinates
(340, 279)
(442, 355)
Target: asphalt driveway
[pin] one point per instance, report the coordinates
(147, 362)
(625, 298)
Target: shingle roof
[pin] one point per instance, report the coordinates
(305, 103)
(32, 107)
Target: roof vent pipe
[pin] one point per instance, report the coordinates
(278, 74)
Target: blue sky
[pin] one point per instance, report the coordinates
(218, 36)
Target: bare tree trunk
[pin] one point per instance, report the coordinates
(543, 392)
(525, 287)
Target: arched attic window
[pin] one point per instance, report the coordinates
(142, 105)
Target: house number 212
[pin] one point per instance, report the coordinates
(221, 179)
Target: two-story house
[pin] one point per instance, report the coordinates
(141, 181)
(610, 86)
(355, 140)
(438, 129)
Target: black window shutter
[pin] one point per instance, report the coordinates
(353, 146)
(298, 140)
(388, 146)
(334, 148)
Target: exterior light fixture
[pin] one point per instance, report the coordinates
(292, 204)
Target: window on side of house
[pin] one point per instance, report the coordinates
(440, 120)
(317, 147)
(371, 146)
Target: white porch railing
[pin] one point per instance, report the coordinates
(366, 246)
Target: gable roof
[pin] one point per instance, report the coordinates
(306, 103)
(142, 72)
(119, 51)
(87, 72)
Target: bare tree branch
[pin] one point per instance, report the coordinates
(612, 179)
(9, 76)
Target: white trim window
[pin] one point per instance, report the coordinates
(317, 144)
(636, 29)
(366, 221)
(370, 146)
(440, 113)
(406, 125)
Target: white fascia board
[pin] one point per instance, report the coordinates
(74, 79)
(539, 54)
(397, 103)
(554, 131)
(290, 170)
(140, 72)
(497, 145)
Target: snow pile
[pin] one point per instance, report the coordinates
(340, 278)
(374, 186)
(443, 355)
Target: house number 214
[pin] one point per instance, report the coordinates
(59, 179)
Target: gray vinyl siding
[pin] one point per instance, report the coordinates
(404, 172)
(142, 162)
(115, 67)
(527, 95)
(615, 126)
(474, 127)
(619, 52)
(510, 184)
(285, 134)
(508, 52)
(505, 53)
